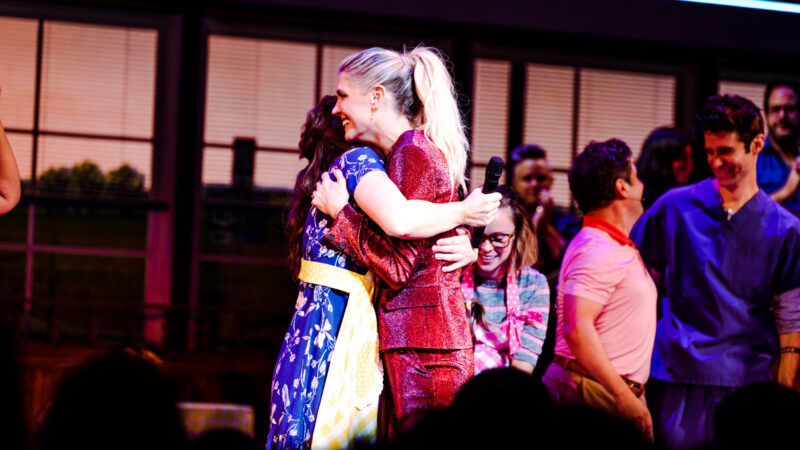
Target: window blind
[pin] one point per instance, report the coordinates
(261, 89)
(625, 105)
(97, 80)
(332, 56)
(489, 114)
(549, 95)
(752, 91)
(17, 72)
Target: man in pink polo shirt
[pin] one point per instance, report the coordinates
(606, 298)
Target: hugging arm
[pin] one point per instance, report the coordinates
(385, 204)
(392, 259)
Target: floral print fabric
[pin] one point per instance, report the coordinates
(302, 363)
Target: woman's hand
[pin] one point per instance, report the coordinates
(456, 249)
(331, 196)
(480, 208)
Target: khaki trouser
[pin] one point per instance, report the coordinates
(567, 387)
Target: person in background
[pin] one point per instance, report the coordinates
(606, 297)
(508, 300)
(121, 400)
(778, 165)
(531, 176)
(664, 163)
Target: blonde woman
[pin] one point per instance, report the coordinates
(405, 104)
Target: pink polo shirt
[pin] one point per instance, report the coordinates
(602, 265)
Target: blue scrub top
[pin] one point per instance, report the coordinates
(716, 324)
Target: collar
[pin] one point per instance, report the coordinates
(614, 232)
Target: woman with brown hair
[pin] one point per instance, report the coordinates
(508, 300)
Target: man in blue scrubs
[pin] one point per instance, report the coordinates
(779, 163)
(728, 257)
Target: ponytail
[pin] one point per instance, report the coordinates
(441, 119)
(424, 94)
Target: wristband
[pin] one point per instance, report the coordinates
(790, 349)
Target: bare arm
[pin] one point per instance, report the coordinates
(522, 365)
(791, 186)
(9, 175)
(382, 201)
(788, 362)
(585, 344)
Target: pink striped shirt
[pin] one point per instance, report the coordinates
(601, 269)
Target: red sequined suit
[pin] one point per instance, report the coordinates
(423, 329)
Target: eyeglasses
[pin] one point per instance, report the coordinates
(498, 240)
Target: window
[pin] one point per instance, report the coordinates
(549, 104)
(753, 91)
(259, 90)
(78, 103)
(625, 105)
(489, 115)
(610, 103)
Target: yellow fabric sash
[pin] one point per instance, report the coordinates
(348, 409)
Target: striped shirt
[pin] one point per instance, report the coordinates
(491, 342)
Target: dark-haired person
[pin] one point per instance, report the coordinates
(664, 163)
(121, 400)
(778, 164)
(729, 258)
(606, 297)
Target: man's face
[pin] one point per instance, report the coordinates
(783, 119)
(728, 159)
(636, 191)
(533, 180)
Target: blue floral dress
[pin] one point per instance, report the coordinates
(302, 364)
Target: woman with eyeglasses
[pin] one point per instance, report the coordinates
(507, 299)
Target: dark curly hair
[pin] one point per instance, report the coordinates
(725, 113)
(321, 142)
(593, 175)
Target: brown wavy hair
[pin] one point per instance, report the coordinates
(525, 246)
(321, 142)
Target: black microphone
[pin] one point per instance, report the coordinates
(493, 172)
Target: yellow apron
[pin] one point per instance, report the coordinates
(348, 411)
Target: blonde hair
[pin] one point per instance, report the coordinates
(424, 93)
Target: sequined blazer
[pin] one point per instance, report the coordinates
(418, 305)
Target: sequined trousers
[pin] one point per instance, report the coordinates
(421, 380)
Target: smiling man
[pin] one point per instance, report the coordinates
(729, 258)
